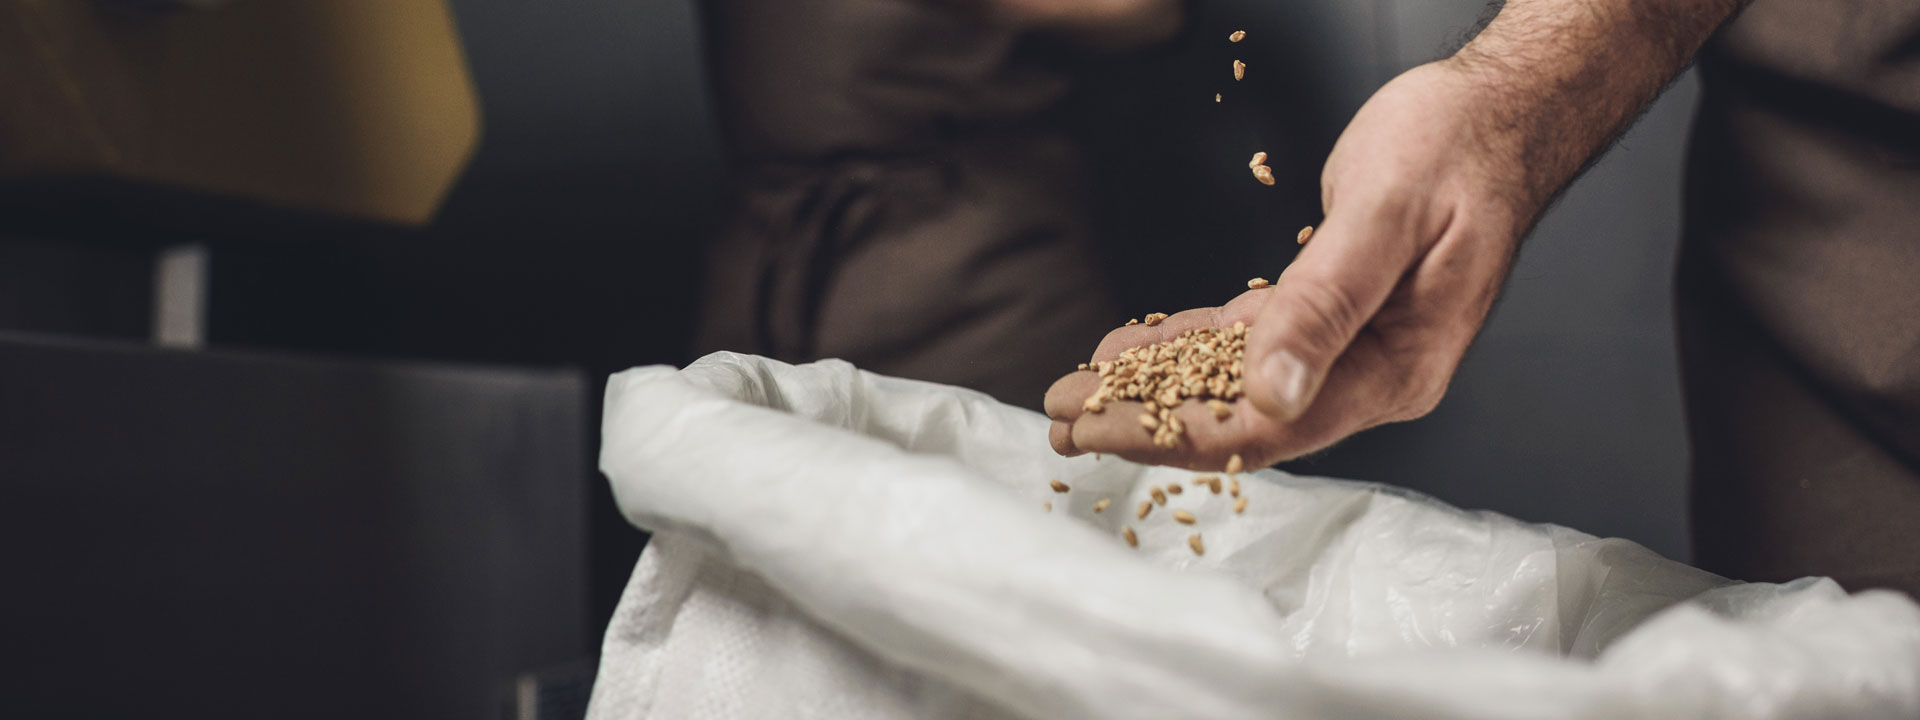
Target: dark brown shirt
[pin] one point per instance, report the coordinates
(1799, 294)
(902, 201)
(809, 80)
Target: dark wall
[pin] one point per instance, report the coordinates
(51, 286)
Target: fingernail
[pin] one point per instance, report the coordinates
(1288, 376)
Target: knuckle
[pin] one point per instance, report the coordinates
(1421, 394)
(1329, 314)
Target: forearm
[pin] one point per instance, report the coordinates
(1561, 79)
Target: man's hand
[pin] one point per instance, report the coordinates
(1427, 194)
(1368, 323)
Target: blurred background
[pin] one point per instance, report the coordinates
(305, 312)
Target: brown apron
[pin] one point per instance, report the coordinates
(1799, 295)
(902, 200)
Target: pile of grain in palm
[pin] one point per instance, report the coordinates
(1202, 364)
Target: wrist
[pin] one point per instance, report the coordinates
(1502, 142)
(1558, 81)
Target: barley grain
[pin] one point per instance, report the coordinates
(1102, 505)
(1239, 506)
(1235, 465)
(1305, 234)
(1237, 36)
(1193, 541)
(1132, 540)
(1254, 284)
(1239, 71)
(1185, 518)
(1221, 410)
(1146, 506)
(1058, 486)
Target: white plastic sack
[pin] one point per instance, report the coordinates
(831, 543)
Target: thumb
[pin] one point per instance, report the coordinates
(1330, 292)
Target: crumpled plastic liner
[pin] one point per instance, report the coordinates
(830, 543)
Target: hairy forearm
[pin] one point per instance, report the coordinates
(1561, 79)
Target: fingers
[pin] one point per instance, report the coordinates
(1206, 444)
(1322, 302)
(1067, 398)
(1060, 436)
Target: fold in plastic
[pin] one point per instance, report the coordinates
(836, 544)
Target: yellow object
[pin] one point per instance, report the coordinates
(361, 108)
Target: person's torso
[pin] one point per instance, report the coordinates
(1804, 195)
(802, 80)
